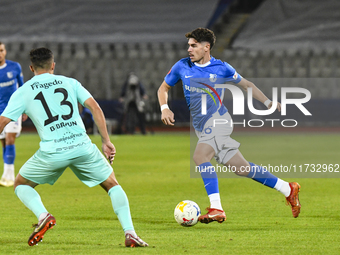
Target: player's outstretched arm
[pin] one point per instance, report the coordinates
(3, 122)
(108, 148)
(167, 114)
(257, 93)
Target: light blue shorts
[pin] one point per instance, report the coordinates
(91, 168)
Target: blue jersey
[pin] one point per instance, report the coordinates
(10, 79)
(201, 79)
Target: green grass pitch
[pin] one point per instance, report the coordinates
(154, 172)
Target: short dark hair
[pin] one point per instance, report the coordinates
(202, 35)
(41, 58)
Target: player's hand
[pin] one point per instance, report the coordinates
(109, 151)
(168, 117)
(24, 117)
(278, 106)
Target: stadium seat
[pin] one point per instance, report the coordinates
(80, 51)
(120, 51)
(93, 50)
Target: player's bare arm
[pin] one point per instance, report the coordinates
(108, 148)
(3, 122)
(167, 114)
(257, 93)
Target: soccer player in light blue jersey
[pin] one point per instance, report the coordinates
(10, 79)
(201, 72)
(51, 101)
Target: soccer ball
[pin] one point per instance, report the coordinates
(187, 213)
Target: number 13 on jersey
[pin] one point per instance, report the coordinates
(52, 118)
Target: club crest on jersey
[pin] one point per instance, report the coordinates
(9, 75)
(235, 76)
(213, 77)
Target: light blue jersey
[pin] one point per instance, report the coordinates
(51, 102)
(10, 79)
(198, 79)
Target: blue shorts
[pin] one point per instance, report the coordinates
(91, 168)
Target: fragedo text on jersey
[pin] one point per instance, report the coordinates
(37, 85)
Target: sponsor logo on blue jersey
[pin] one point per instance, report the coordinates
(7, 83)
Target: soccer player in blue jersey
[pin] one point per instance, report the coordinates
(10, 79)
(214, 140)
(51, 101)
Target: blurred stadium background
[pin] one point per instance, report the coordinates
(99, 42)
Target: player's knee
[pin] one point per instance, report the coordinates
(10, 139)
(196, 159)
(110, 182)
(19, 180)
(241, 170)
(199, 158)
(241, 173)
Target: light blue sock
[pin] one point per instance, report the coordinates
(31, 199)
(9, 154)
(120, 204)
(261, 175)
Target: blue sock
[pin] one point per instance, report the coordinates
(9, 154)
(31, 199)
(120, 204)
(261, 175)
(209, 177)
